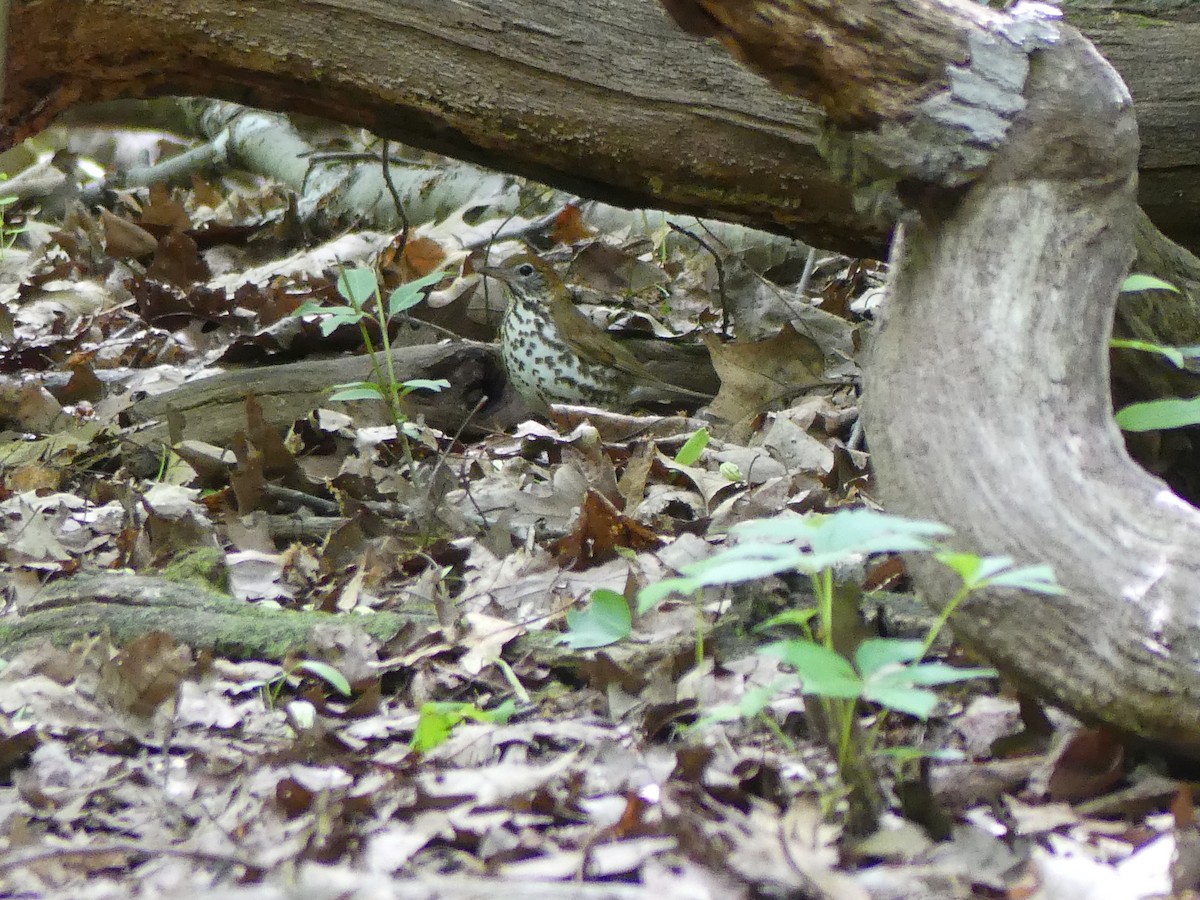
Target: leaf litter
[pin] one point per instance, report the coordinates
(514, 725)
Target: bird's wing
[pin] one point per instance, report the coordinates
(592, 342)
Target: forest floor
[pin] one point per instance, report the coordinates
(508, 729)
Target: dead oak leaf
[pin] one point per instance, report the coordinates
(756, 374)
(146, 673)
(597, 532)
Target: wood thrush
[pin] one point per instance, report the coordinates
(555, 354)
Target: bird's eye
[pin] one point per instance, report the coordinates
(525, 270)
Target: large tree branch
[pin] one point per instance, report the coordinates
(606, 99)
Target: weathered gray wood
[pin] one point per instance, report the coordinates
(213, 409)
(986, 391)
(996, 351)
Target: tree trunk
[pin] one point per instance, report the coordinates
(986, 390)
(606, 99)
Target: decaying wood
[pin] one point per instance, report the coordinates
(125, 607)
(986, 389)
(213, 409)
(604, 99)
(478, 401)
(122, 607)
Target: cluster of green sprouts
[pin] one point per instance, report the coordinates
(890, 673)
(1169, 412)
(365, 306)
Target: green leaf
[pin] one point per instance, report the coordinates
(996, 571)
(747, 562)
(752, 702)
(853, 531)
(1039, 579)
(966, 565)
(605, 621)
(761, 553)
(331, 317)
(908, 754)
(437, 720)
(364, 390)
(411, 293)
(1156, 415)
(800, 618)
(1146, 283)
(335, 320)
(902, 687)
(913, 701)
(434, 724)
(935, 673)
(357, 286)
(312, 308)
(328, 674)
(1172, 354)
(783, 527)
(425, 384)
(822, 671)
(500, 715)
(690, 452)
(847, 532)
(875, 654)
(653, 594)
(731, 471)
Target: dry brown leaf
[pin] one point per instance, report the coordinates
(164, 211)
(125, 240)
(757, 375)
(146, 673)
(598, 531)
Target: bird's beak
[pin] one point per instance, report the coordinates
(495, 272)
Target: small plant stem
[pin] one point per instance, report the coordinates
(513, 682)
(773, 727)
(822, 583)
(387, 381)
(846, 713)
(872, 737)
(943, 617)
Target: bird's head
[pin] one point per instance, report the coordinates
(528, 278)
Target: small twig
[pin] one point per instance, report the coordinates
(454, 440)
(210, 156)
(513, 682)
(720, 274)
(504, 233)
(300, 498)
(809, 264)
(25, 859)
(341, 156)
(384, 158)
(413, 320)
(501, 234)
